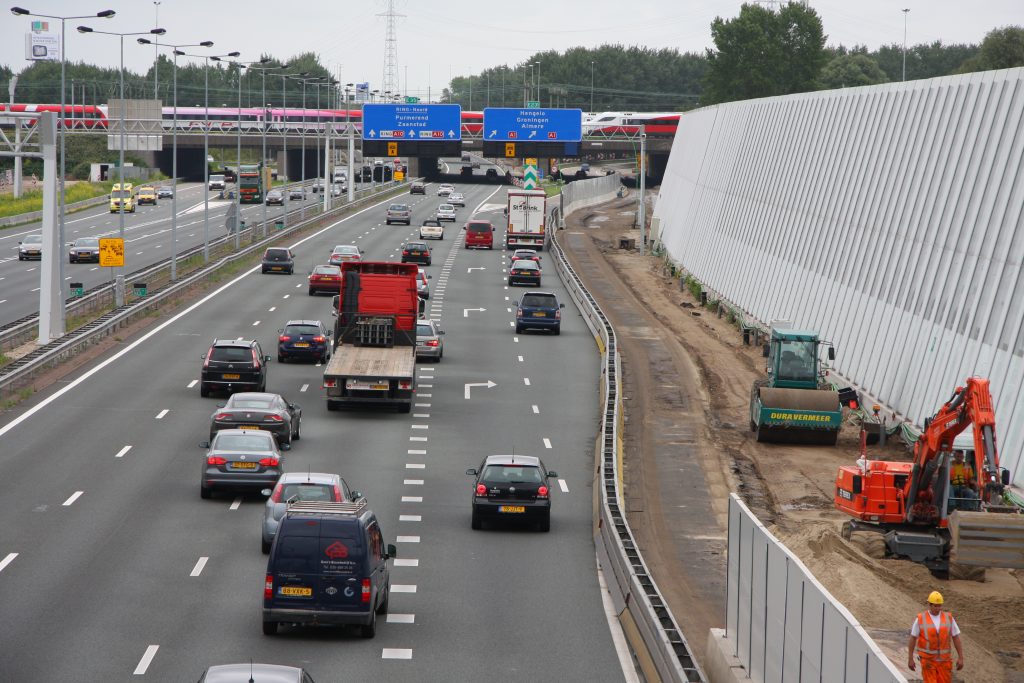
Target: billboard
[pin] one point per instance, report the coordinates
(42, 44)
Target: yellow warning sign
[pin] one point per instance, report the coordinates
(529, 162)
(399, 175)
(392, 149)
(510, 149)
(111, 252)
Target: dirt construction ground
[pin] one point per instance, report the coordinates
(688, 444)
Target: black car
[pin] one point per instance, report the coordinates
(240, 459)
(275, 197)
(250, 411)
(416, 252)
(539, 310)
(524, 272)
(278, 260)
(304, 339)
(328, 566)
(417, 188)
(232, 365)
(513, 488)
(85, 250)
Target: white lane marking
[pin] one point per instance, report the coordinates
(396, 653)
(515, 339)
(422, 405)
(547, 443)
(192, 384)
(427, 386)
(520, 359)
(526, 381)
(420, 426)
(120, 453)
(425, 395)
(413, 482)
(92, 269)
(506, 298)
(412, 499)
(146, 660)
(298, 285)
(407, 539)
(417, 438)
(413, 451)
(406, 562)
(423, 415)
(160, 415)
(237, 503)
(7, 560)
(562, 485)
(198, 569)
(403, 588)
(271, 309)
(401, 618)
(410, 518)
(286, 296)
(304, 387)
(415, 466)
(511, 323)
(73, 497)
(34, 290)
(257, 323)
(536, 410)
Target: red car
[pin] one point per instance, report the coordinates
(325, 279)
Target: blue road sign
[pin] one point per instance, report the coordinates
(399, 122)
(533, 125)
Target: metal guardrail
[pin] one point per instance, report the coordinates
(634, 591)
(18, 331)
(22, 368)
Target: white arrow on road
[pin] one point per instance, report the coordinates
(470, 385)
(470, 270)
(465, 311)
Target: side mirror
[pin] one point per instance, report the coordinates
(203, 356)
(356, 495)
(430, 277)
(552, 473)
(280, 330)
(764, 350)
(266, 493)
(286, 447)
(330, 333)
(392, 551)
(831, 353)
(471, 470)
(266, 358)
(440, 333)
(1004, 477)
(204, 444)
(561, 305)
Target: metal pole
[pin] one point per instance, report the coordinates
(642, 209)
(319, 119)
(302, 175)
(206, 162)
(591, 86)
(538, 83)
(238, 167)
(60, 194)
(17, 140)
(156, 54)
(905, 12)
(284, 131)
(174, 176)
(51, 299)
(120, 155)
(351, 153)
(263, 158)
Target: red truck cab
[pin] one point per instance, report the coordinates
(479, 235)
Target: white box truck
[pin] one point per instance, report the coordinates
(527, 213)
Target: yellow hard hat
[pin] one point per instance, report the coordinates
(935, 598)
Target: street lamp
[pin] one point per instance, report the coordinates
(266, 115)
(155, 32)
(905, 11)
(591, 86)
(302, 181)
(44, 290)
(174, 152)
(351, 146)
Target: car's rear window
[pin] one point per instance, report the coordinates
(539, 301)
(398, 207)
(424, 331)
(512, 474)
(478, 227)
(302, 329)
(88, 242)
(277, 254)
(231, 354)
(250, 403)
(33, 239)
(525, 264)
(242, 442)
(327, 270)
(316, 492)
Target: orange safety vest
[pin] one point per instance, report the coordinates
(934, 643)
(961, 475)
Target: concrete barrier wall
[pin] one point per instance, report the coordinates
(889, 217)
(781, 624)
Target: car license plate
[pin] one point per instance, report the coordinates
(275, 267)
(228, 376)
(511, 508)
(248, 427)
(302, 345)
(540, 314)
(297, 591)
(359, 384)
(244, 465)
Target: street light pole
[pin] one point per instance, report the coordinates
(351, 148)
(266, 115)
(591, 86)
(156, 55)
(905, 11)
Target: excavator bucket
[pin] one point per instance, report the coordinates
(798, 416)
(987, 539)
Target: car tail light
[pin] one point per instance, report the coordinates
(405, 252)
(276, 495)
(221, 416)
(558, 315)
(405, 384)
(255, 360)
(284, 338)
(542, 492)
(268, 587)
(318, 339)
(366, 591)
(330, 383)
(274, 418)
(432, 342)
(519, 313)
(269, 462)
(216, 460)
(481, 490)
(337, 494)
(206, 363)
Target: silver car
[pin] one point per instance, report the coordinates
(164, 192)
(240, 459)
(445, 189)
(30, 248)
(457, 199)
(446, 212)
(304, 486)
(399, 213)
(246, 673)
(428, 340)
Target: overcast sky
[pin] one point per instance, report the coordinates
(438, 39)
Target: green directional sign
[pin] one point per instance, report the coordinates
(530, 179)
(412, 100)
(533, 104)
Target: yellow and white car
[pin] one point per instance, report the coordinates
(146, 195)
(120, 194)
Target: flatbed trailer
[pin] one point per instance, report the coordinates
(371, 374)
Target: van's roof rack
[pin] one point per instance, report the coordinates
(326, 508)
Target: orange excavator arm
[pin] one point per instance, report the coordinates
(970, 405)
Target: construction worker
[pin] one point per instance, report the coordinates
(961, 479)
(930, 635)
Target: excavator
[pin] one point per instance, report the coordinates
(909, 502)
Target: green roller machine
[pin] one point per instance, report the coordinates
(794, 404)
